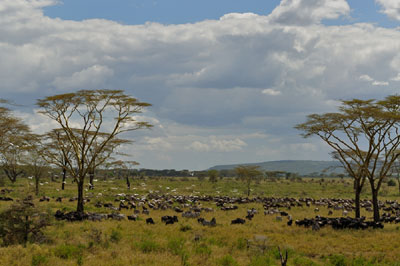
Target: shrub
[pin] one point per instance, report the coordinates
(261, 261)
(302, 261)
(115, 236)
(185, 228)
(22, 223)
(391, 183)
(175, 245)
(66, 251)
(147, 246)
(241, 243)
(38, 260)
(227, 261)
(203, 249)
(337, 260)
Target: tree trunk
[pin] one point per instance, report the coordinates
(375, 204)
(36, 186)
(64, 171)
(248, 188)
(79, 207)
(91, 178)
(357, 191)
(128, 183)
(398, 181)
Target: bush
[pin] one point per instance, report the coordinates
(38, 260)
(337, 260)
(66, 251)
(175, 245)
(391, 183)
(22, 223)
(302, 261)
(203, 249)
(185, 228)
(227, 261)
(261, 261)
(148, 246)
(115, 236)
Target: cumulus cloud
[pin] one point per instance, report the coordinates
(271, 92)
(374, 82)
(90, 77)
(306, 12)
(218, 145)
(225, 78)
(390, 7)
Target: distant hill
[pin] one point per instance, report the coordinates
(302, 167)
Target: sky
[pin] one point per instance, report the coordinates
(228, 79)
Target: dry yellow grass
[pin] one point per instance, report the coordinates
(136, 243)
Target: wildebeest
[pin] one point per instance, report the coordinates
(132, 217)
(149, 221)
(169, 219)
(204, 222)
(238, 221)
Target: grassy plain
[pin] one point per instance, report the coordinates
(136, 243)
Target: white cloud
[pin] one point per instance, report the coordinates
(397, 78)
(271, 92)
(380, 83)
(366, 78)
(374, 82)
(391, 8)
(215, 144)
(204, 79)
(157, 143)
(306, 12)
(88, 78)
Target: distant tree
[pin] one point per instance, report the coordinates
(248, 173)
(213, 175)
(364, 133)
(123, 168)
(102, 115)
(34, 159)
(58, 155)
(14, 138)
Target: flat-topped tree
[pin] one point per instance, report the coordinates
(101, 116)
(365, 135)
(248, 173)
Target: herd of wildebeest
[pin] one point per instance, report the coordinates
(189, 206)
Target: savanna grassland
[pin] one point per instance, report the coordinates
(187, 242)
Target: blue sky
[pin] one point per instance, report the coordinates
(190, 11)
(227, 79)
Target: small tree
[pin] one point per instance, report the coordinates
(102, 115)
(213, 176)
(248, 173)
(124, 168)
(21, 223)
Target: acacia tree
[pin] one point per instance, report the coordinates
(14, 137)
(363, 133)
(124, 169)
(102, 115)
(248, 173)
(34, 158)
(213, 175)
